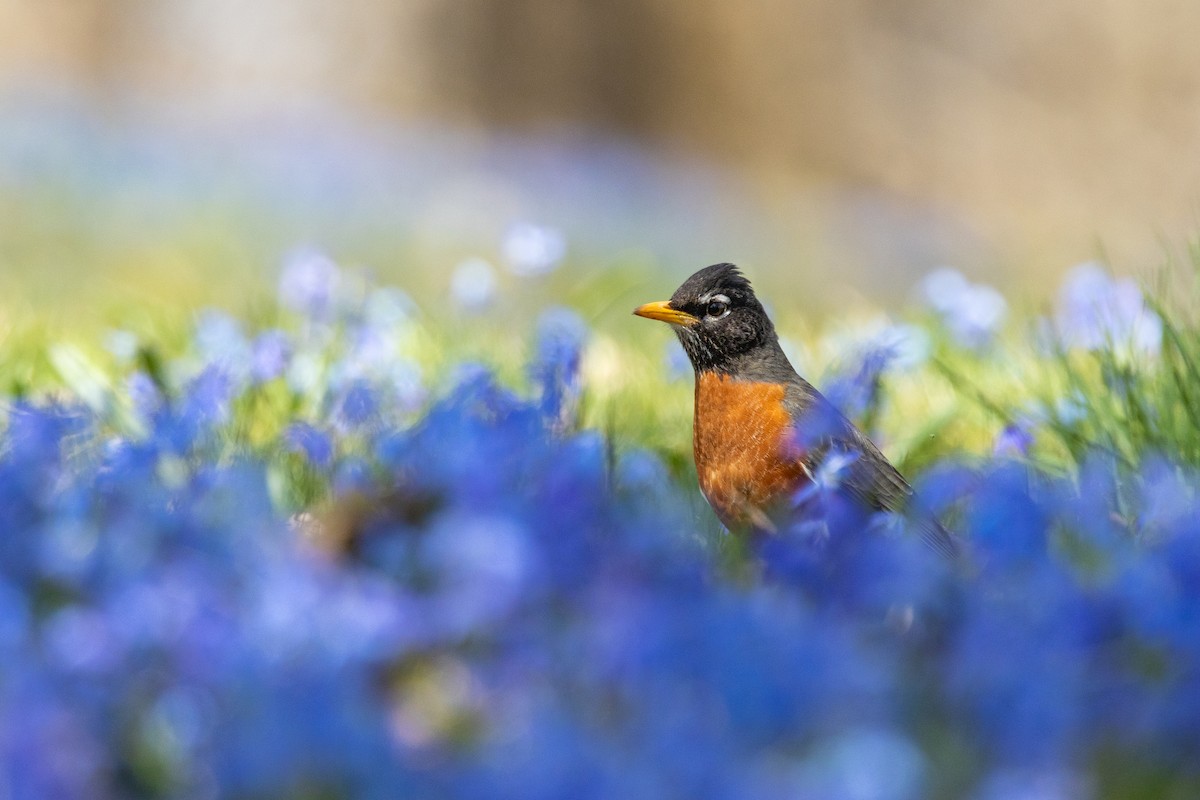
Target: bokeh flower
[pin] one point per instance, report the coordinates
(220, 341)
(1014, 440)
(473, 284)
(316, 445)
(561, 335)
(1095, 311)
(531, 250)
(488, 600)
(971, 312)
(270, 354)
(309, 284)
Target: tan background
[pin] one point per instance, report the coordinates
(1049, 130)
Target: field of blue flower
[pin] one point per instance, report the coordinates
(350, 546)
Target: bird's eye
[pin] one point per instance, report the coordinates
(717, 308)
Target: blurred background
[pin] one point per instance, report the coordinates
(173, 150)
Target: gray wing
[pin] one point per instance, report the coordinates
(871, 478)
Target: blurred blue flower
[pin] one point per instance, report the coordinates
(272, 352)
(868, 764)
(66, 549)
(220, 342)
(407, 381)
(122, 344)
(309, 284)
(1095, 311)
(316, 446)
(1013, 441)
(1168, 498)
(1070, 408)
(972, 313)
(907, 346)
(143, 394)
(16, 614)
(473, 284)
(356, 406)
(483, 564)
(306, 375)
(531, 250)
(561, 335)
(529, 610)
(78, 639)
(854, 393)
(1054, 784)
(387, 310)
(205, 405)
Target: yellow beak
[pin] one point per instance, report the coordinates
(663, 312)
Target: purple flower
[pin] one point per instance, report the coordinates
(1096, 311)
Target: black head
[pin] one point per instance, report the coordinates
(718, 320)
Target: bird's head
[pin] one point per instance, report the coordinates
(716, 316)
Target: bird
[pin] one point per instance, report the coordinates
(761, 433)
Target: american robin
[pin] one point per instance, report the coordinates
(760, 431)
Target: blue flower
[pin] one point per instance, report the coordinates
(387, 310)
(473, 284)
(356, 407)
(272, 351)
(78, 639)
(122, 344)
(1052, 784)
(1095, 311)
(483, 564)
(315, 445)
(143, 394)
(531, 250)
(205, 406)
(220, 342)
(561, 335)
(971, 312)
(860, 764)
(529, 609)
(908, 346)
(309, 284)
(853, 394)
(1013, 441)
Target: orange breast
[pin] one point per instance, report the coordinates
(741, 437)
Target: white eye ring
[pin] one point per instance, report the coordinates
(722, 310)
